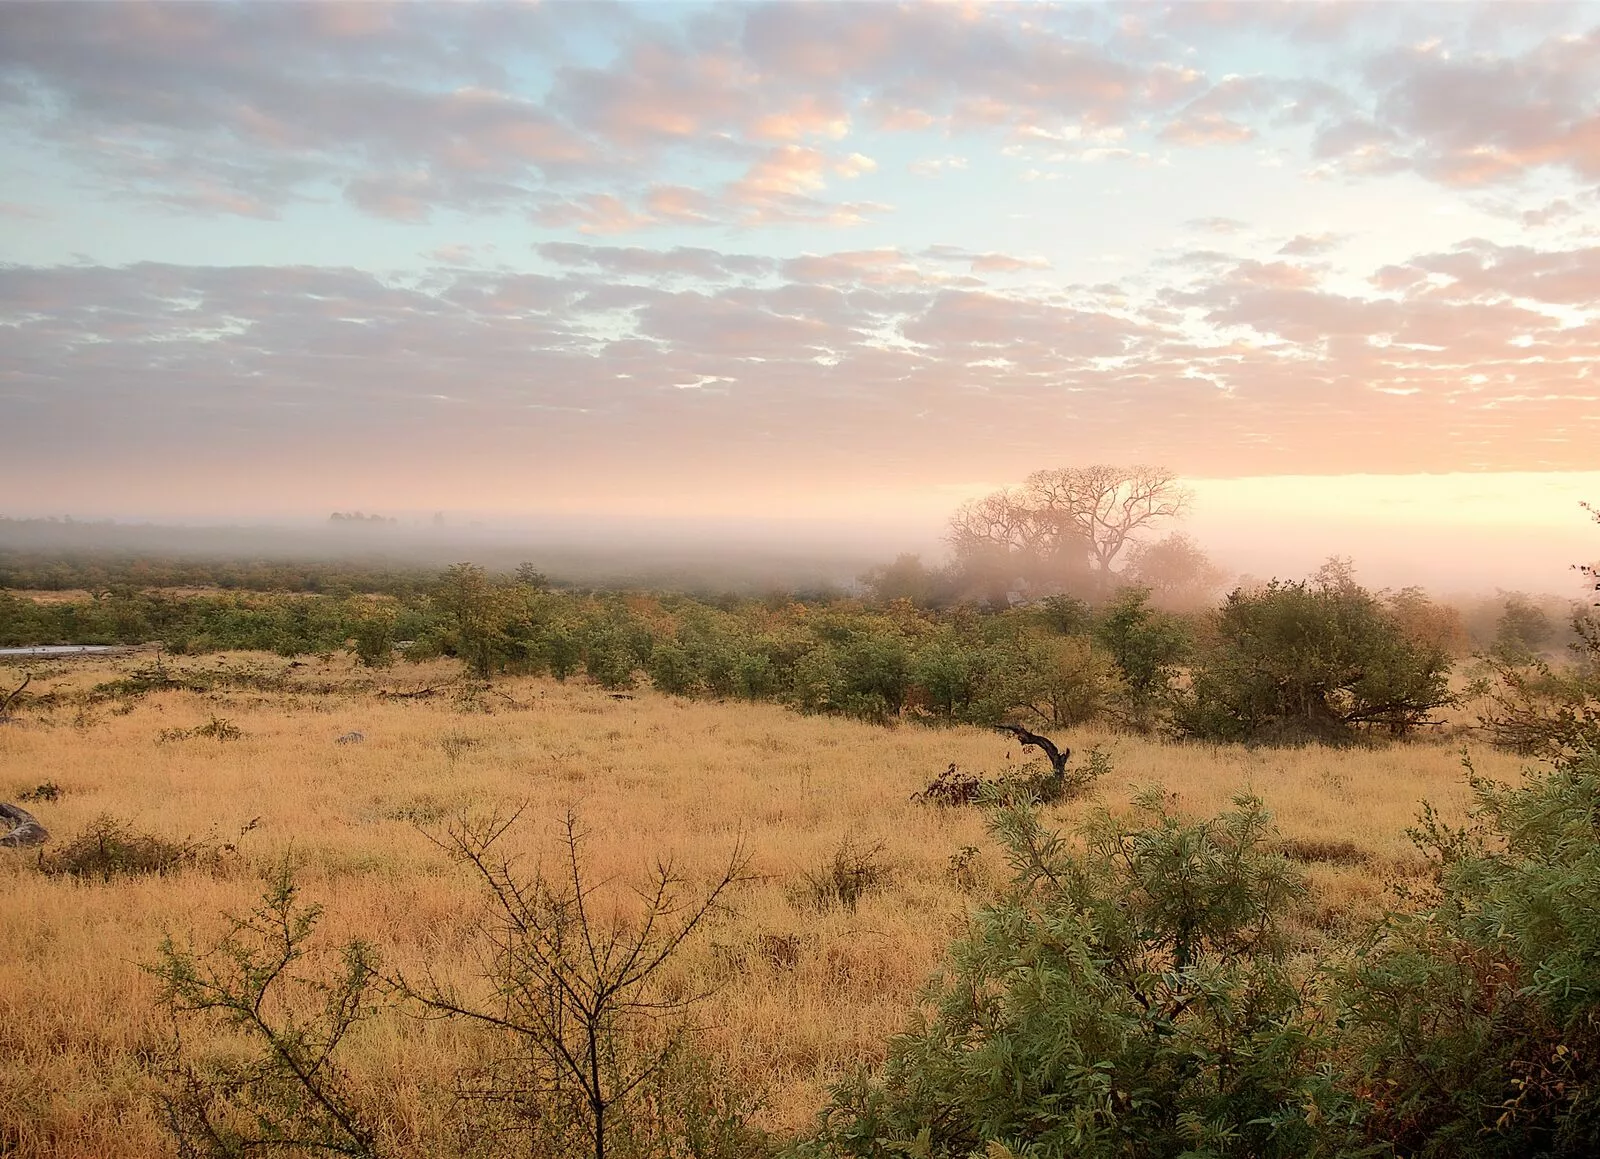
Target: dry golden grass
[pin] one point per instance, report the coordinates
(807, 994)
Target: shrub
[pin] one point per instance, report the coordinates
(1298, 662)
(1476, 1022)
(611, 659)
(853, 872)
(218, 728)
(281, 1090)
(1133, 999)
(1032, 783)
(112, 848)
(1538, 711)
(951, 787)
(375, 635)
(1061, 680)
(586, 1052)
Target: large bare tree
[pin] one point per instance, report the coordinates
(1066, 519)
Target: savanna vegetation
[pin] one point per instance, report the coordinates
(476, 864)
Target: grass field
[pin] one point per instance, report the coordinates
(807, 992)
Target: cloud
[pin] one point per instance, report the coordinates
(1222, 225)
(1005, 264)
(408, 109)
(1550, 213)
(933, 166)
(1478, 354)
(1479, 118)
(1306, 245)
(593, 213)
(681, 261)
(1206, 129)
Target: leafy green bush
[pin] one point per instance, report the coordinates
(1476, 1022)
(1298, 662)
(1147, 646)
(1132, 999)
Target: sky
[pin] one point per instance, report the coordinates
(1336, 264)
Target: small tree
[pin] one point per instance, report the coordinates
(1148, 646)
(1522, 631)
(472, 607)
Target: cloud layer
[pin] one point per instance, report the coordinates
(639, 248)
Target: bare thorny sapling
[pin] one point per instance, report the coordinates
(577, 995)
(288, 1094)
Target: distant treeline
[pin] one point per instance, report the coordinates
(1315, 659)
(102, 572)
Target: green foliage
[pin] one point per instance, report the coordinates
(1298, 662)
(1475, 1024)
(1132, 999)
(1148, 646)
(474, 624)
(1540, 711)
(672, 669)
(1294, 662)
(1060, 680)
(374, 633)
(1522, 632)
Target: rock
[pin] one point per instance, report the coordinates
(350, 738)
(24, 829)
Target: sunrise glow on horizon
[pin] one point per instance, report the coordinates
(1336, 264)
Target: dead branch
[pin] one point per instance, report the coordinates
(418, 694)
(5, 705)
(1058, 756)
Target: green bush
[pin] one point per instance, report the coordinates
(1132, 999)
(1299, 662)
(1476, 1022)
(1148, 647)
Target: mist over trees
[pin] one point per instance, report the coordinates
(1063, 529)
(1079, 531)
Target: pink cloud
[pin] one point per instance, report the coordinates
(681, 205)
(1206, 129)
(592, 213)
(810, 115)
